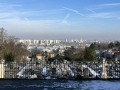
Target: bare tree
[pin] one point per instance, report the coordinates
(10, 49)
(2, 35)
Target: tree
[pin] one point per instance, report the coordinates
(73, 54)
(89, 54)
(2, 35)
(117, 44)
(111, 45)
(59, 57)
(93, 46)
(9, 57)
(10, 48)
(104, 46)
(67, 54)
(79, 54)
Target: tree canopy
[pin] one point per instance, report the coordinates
(10, 49)
(89, 54)
(79, 54)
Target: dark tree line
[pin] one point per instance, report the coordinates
(103, 46)
(99, 46)
(10, 49)
(114, 45)
(88, 54)
(79, 54)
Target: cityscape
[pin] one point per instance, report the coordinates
(59, 45)
(47, 61)
(58, 59)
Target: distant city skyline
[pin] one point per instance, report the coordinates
(61, 19)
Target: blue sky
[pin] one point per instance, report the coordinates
(61, 19)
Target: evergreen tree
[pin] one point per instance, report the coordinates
(89, 54)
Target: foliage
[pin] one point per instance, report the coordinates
(103, 46)
(117, 44)
(10, 49)
(9, 57)
(99, 46)
(111, 45)
(68, 54)
(73, 54)
(58, 57)
(89, 54)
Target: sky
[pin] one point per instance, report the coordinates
(61, 19)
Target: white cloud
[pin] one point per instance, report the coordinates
(102, 15)
(73, 10)
(11, 11)
(10, 14)
(26, 25)
(91, 10)
(65, 20)
(111, 4)
(7, 7)
(99, 12)
(23, 21)
(105, 15)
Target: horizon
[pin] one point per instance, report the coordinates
(37, 19)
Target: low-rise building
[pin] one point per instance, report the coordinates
(51, 54)
(39, 56)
